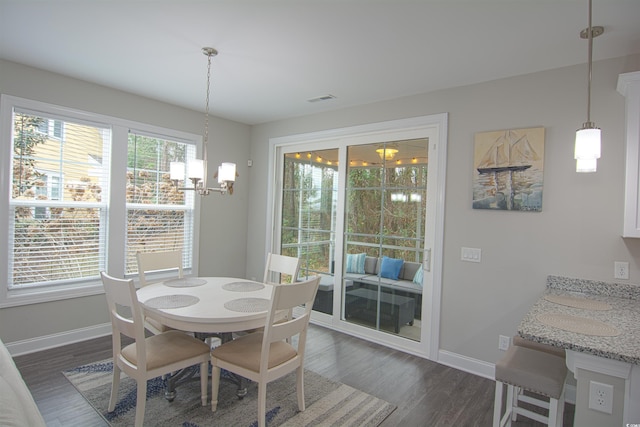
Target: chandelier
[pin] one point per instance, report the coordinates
(387, 152)
(196, 170)
(587, 146)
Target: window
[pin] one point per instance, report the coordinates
(50, 127)
(159, 217)
(75, 202)
(57, 234)
(309, 195)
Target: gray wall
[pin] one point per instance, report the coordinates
(223, 219)
(577, 234)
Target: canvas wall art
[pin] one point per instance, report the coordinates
(508, 169)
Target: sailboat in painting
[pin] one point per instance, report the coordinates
(510, 152)
(509, 174)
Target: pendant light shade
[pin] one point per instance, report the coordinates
(587, 145)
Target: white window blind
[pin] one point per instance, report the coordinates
(159, 217)
(60, 183)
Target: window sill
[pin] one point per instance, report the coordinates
(15, 298)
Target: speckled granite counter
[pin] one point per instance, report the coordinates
(608, 342)
(624, 316)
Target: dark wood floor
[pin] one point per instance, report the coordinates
(426, 393)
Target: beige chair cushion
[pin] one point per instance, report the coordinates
(166, 348)
(532, 370)
(245, 352)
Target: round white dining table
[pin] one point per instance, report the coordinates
(207, 304)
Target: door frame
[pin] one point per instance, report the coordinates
(434, 127)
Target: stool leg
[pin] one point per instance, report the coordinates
(509, 409)
(516, 394)
(497, 404)
(553, 413)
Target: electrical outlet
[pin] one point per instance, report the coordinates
(504, 342)
(601, 397)
(621, 270)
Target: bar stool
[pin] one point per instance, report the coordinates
(518, 340)
(540, 372)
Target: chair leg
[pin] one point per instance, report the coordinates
(262, 404)
(215, 384)
(204, 379)
(115, 384)
(300, 388)
(141, 400)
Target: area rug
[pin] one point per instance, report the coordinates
(327, 403)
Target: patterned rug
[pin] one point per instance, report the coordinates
(327, 403)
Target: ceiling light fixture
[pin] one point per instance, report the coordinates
(197, 169)
(587, 146)
(387, 153)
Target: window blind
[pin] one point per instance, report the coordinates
(159, 217)
(60, 182)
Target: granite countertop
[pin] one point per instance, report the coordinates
(624, 316)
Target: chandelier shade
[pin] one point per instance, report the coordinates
(387, 153)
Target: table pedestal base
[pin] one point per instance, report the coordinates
(182, 376)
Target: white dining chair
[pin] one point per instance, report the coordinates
(278, 265)
(150, 357)
(149, 262)
(266, 355)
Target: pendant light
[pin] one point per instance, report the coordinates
(587, 145)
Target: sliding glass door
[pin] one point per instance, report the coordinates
(385, 205)
(309, 196)
(363, 207)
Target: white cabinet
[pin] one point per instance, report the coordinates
(629, 87)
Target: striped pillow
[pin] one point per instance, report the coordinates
(355, 263)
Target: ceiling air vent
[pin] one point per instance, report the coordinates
(321, 98)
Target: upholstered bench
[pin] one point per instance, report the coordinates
(18, 406)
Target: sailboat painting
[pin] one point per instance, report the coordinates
(508, 170)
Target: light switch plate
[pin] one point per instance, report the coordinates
(471, 254)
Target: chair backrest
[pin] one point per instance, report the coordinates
(286, 298)
(125, 313)
(158, 261)
(281, 264)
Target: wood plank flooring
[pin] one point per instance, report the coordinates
(426, 393)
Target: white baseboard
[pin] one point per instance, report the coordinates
(32, 345)
(467, 364)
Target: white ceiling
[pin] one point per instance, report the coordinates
(277, 54)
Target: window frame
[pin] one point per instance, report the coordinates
(115, 225)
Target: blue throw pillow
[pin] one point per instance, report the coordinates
(417, 279)
(390, 267)
(355, 263)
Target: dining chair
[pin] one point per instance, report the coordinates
(157, 261)
(265, 356)
(278, 265)
(150, 357)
